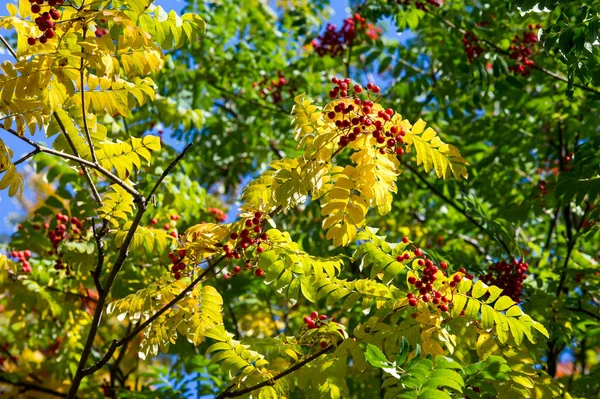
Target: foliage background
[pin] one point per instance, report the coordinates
(512, 129)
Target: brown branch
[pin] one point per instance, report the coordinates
(229, 393)
(587, 312)
(8, 47)
(31, 387)
(168, 170)
(76, 294)
(99, 237)
(498, 49)
(454, 205)
(142, 205)
(117, 343)
(26, 157)
(82, 80)
(81, 161)
(86, 173)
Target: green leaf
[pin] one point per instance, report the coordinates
(375, 357)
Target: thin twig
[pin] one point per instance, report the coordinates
(26, 157)
(99, 237)
(229, 393)
(117, 343)
(76, 294)
(167, 171)
(82, 79)
(123, 253)
(587, 312)
(460, 209)
(95, 193)
(9, 47)
(502, 51)
(31, 387)
(142, 205)
(79, 160)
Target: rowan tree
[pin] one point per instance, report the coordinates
(246, 200)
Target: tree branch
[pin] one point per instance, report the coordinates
(117, 343)
(502, 51)
(168, 170)
(8, 47)
(99, 237)
(81, 161)
(460, 209)
(26, 157)
(95, 193)
(76, 294)
(85, 124)
(31, 387)
(228, 393)
(142, 204)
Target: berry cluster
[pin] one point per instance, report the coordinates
(314, 320)
(275, 88)
(44, 20)
(101, 29)
(251, 235)
(170, 226)
(425, 284)
(471, 44)
(22, 256)
(178, 263)
(550, 170)
(219, 215)
(61, 233)
(334, 42)
(356, 118)
(422, 5)
(521, 50)
(509, 276)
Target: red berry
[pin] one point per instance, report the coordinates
(314, 315)
(399, 258)
(236, 269)
(444, 307)
(323, 317)
(259, 272)
(249, 223)
(405, 240)
(323, 344)
(412, 280)
(31, 40)
(457, 278)
(260, 250)
(443, 265)
(418, 252)
(35, 8)
(177, 275)
(307, 319)
(412, 301)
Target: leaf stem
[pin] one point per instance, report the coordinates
(454, 205)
